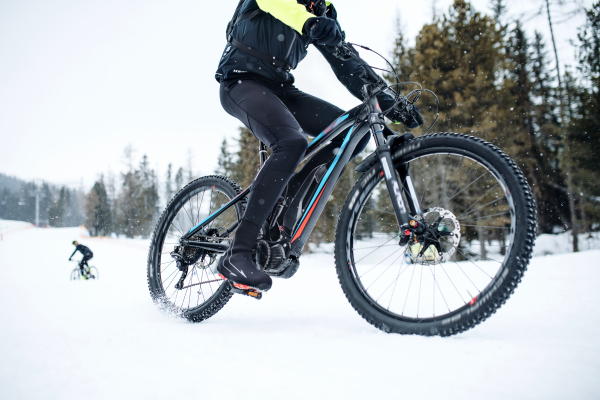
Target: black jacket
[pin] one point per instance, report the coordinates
(84, 250)
(271, 36)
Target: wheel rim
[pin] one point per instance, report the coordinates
(407, 287)
(201, 283)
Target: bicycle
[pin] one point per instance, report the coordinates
(91, 272)
(449, 211)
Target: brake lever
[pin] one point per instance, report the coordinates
(344, 52)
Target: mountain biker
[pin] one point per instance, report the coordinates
(87, 255)
(269, 38)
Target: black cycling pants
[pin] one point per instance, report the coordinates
(280, 116)
(84, 261)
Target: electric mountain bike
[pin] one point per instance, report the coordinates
(433, 238)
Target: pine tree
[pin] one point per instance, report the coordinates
(58, 210)
(498, 8)
(179, 179)
(98, 212)
(148, 201)
(583, 150)
(129, 198)
(535, 128)
(244, 168)
(224, 162)
(458, 58)
(168, 183)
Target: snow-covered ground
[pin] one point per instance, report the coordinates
(105, 339)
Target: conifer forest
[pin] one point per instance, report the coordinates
(494, 81)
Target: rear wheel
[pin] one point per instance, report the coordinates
(94, 273)
(198, 292)
(481, 222)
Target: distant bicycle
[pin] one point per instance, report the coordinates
(91, 272)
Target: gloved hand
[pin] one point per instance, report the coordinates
(407, 114)
(69, 259)
(323, 30)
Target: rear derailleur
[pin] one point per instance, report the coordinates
(185, 256)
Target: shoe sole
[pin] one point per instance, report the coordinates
(242, 286)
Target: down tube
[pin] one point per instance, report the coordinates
(314, 210)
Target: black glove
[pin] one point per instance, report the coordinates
(323, 30)
(407, 114)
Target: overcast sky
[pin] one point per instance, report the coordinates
(82, 79)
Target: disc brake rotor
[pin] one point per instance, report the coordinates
(440, 240)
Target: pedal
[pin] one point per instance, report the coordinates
(247, 292)
(243, 289)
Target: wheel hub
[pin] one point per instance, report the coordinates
(201, 258)
(437, 239)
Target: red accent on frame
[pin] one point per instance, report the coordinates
(299, 232)
(473, 300)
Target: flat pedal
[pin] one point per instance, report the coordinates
(243, 289)
(247, 292)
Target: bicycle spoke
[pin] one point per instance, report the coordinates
(485, 216)
(400, 272)
(408, 291)
(385, 270)
(466, 212)
(356, 262)
(440, 289)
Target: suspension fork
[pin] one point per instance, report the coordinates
(394, 186)
(413, 199)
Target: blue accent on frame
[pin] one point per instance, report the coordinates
(332, 126)
(212, 214)
(324, 180)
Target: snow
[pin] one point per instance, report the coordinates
(11, 226)
(563, 243)
(62, 339)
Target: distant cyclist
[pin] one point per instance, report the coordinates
(87, 255)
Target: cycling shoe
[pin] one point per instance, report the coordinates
(240, 269)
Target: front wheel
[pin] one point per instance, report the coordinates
(75, 275)
(481, 224)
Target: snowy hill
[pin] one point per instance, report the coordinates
(105, 339)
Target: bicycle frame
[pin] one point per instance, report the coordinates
(368, 120)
